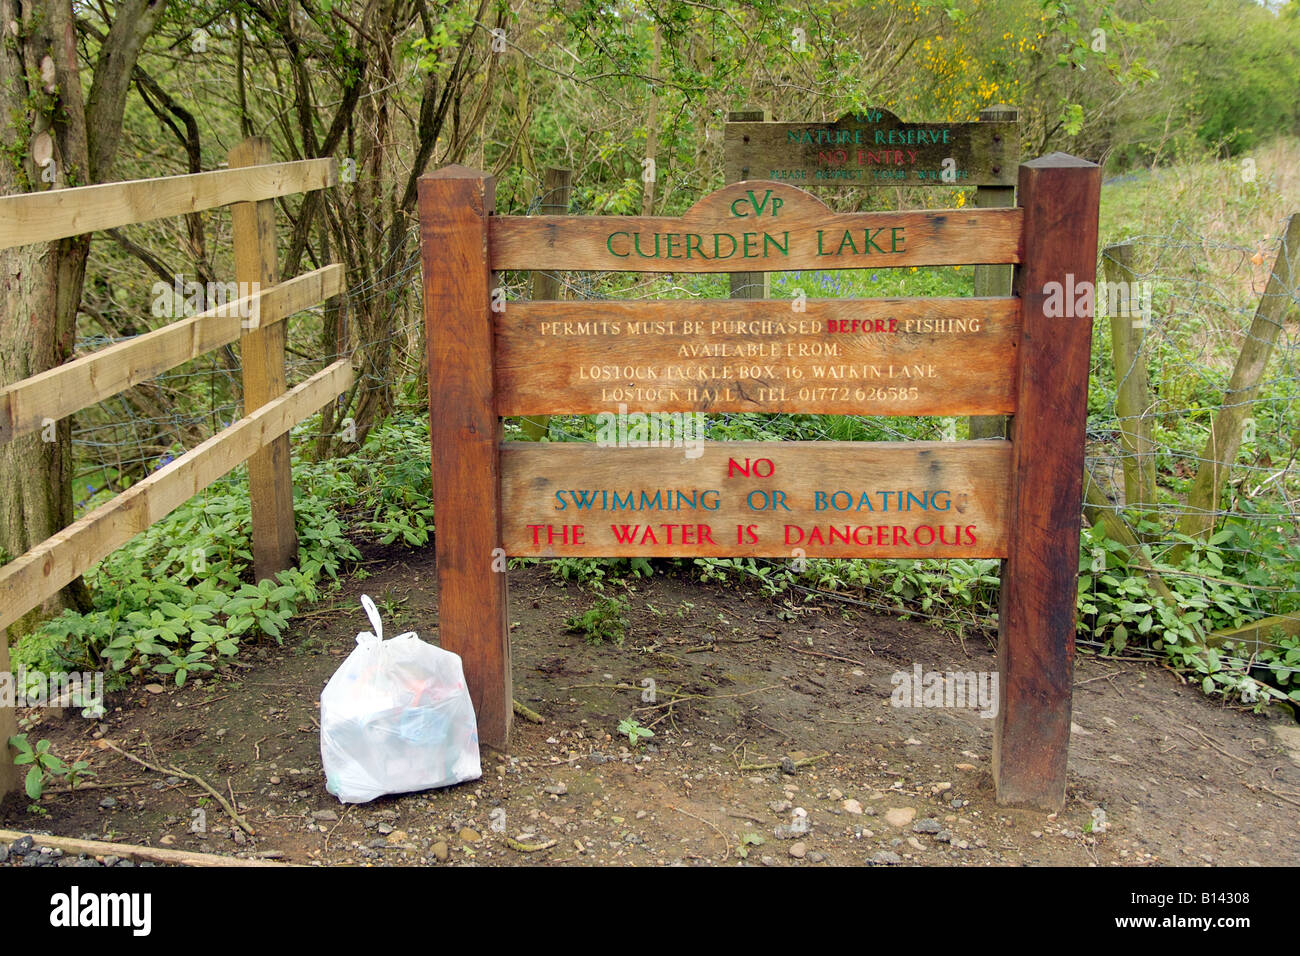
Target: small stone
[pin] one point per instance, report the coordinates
(788, 767)
(798, 850)
(1036, 834)
(815, 857)
(470, 836)
(154, 688)
(275, 780)
(4, 852)
(943, 836)
(886, 858)
(641, 814)
(22, 846)
(440, 851)
(780, 806)
(172, 781)
(941, 787)
(900, 816)
(912, 742)
(835, 794)
(108, 803)
(556, 789)
(965, 766)
(929, 825)
(914, 843)
(398, 836)
(767, 860)
(324, 816)
(384, 829)
(853, 807)
(238, 836)
(168, 840)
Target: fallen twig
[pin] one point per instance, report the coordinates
(528, 847)
(527, 713)
(801, 762)
(130, 851)
(726, 846)
(177, 772)
(829, 657)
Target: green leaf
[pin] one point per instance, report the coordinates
(34, 784)
(53, 764)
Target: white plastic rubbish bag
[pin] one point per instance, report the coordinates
(396, 717)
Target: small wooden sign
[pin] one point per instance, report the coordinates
(686, 497)
(830, 356)
(763, 226)
(872, 148)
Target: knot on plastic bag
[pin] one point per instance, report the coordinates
(373, 640)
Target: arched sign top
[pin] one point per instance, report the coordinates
(875, 116)
(756, 200)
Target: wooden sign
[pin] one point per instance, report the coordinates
(872, 148)
(641, 490)
(689, 498)
(755, 226)
(836, 356)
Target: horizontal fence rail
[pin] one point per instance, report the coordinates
(60, 213)
(25, 406)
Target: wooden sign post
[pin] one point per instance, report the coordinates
(649, 488)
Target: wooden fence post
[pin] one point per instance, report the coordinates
(8, 728)
(748, 285)
(994, 280)
(557, 187)
(464, 433)
(1226, 431)
(1059, 195)
(270, 482)
(1132, 391)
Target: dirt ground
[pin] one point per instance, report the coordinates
(785, 749)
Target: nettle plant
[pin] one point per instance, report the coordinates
(44, 767)
(1119, 606)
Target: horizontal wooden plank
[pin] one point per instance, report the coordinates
(874, 148)
(830, 499)
(755, 227)
(58, 213)
(35, 575)
(837, 356)
(60, 391)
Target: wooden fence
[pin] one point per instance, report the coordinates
(257, 321)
